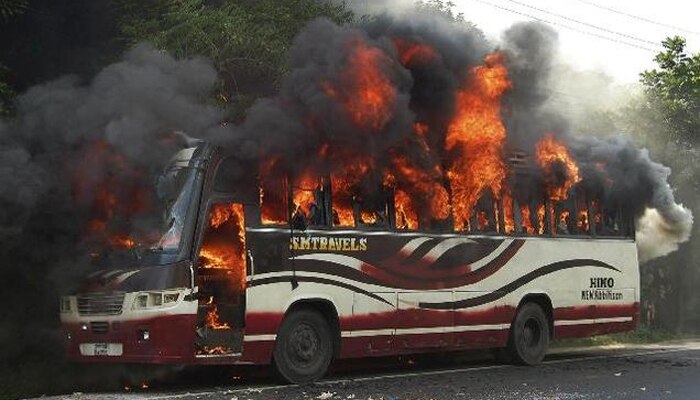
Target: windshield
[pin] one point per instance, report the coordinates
(159, 235)
(175, 190)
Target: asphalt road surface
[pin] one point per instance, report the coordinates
(662, 371)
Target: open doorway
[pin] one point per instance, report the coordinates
(221, 275)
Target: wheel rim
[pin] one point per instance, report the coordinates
(532, 333)
(304, 345)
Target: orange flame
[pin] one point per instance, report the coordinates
(273, 195)
(508, 218)
(122, 241)
(367, 94)
(478, 135)
(526, 219)
(425, 186)
(540, 218)
(212, 320)
(303, 194)
(412, 52)
(549, 152)
(226, 223)
(406, 214)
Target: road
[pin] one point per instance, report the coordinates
(662, 371)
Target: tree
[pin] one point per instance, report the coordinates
(8, 10)
(666, 119)
(246, 40)
(7, 95)
(674, 89)
(11, 8)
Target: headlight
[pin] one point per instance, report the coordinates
(150, 300)
(65, 304)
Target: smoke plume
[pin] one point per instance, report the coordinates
(73, 164)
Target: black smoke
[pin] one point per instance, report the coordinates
(50, 176)
(70, 141)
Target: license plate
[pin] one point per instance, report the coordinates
(101, 349)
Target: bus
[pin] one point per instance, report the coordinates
(241, 274)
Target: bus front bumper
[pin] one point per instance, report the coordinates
(164, 339)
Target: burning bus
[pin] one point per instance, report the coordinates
(382, 211)
(297, 271)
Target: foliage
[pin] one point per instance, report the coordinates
(674, 89)
(439, 7)
(7, 95)
(444, 9)
(246, 40)
(11, 8)
(666, 120)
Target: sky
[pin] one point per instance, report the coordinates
(631, 42)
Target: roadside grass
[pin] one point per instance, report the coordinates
(643, 335)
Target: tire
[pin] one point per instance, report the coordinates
(304, 347)
(529, 335)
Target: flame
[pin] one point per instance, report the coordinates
(211, 350)
(540, 218)
(368, 217)
(344, 186)
(122, 241)
(477, 134)
(459, 178)
(303, 194)
(508, 218)
(367, 94)
(413, 52)
(526, 219)
(212, 320)
(273, 195)
(564, 221)
(549, 152)
(224, 242)
(406, 214)
(424, 186)
(582, 222)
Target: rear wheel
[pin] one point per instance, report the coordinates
(304, 348)
(529, 335)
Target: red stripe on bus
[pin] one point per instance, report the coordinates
(597, 311)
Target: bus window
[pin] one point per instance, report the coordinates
(375, 210)
(582, 222)
(309, 202)
(273, 201)
(563, 212)
(343, 200)
(405, 213)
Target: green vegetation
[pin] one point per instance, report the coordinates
(247, 41)
(12, 8)
(673, 90)
(7, 95)
(643, 335)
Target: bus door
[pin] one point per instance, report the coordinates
(221, 281)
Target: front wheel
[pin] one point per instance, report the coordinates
(529, 335)
(303, 349)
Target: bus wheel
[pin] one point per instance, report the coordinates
(529, 335)
(304, 348)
